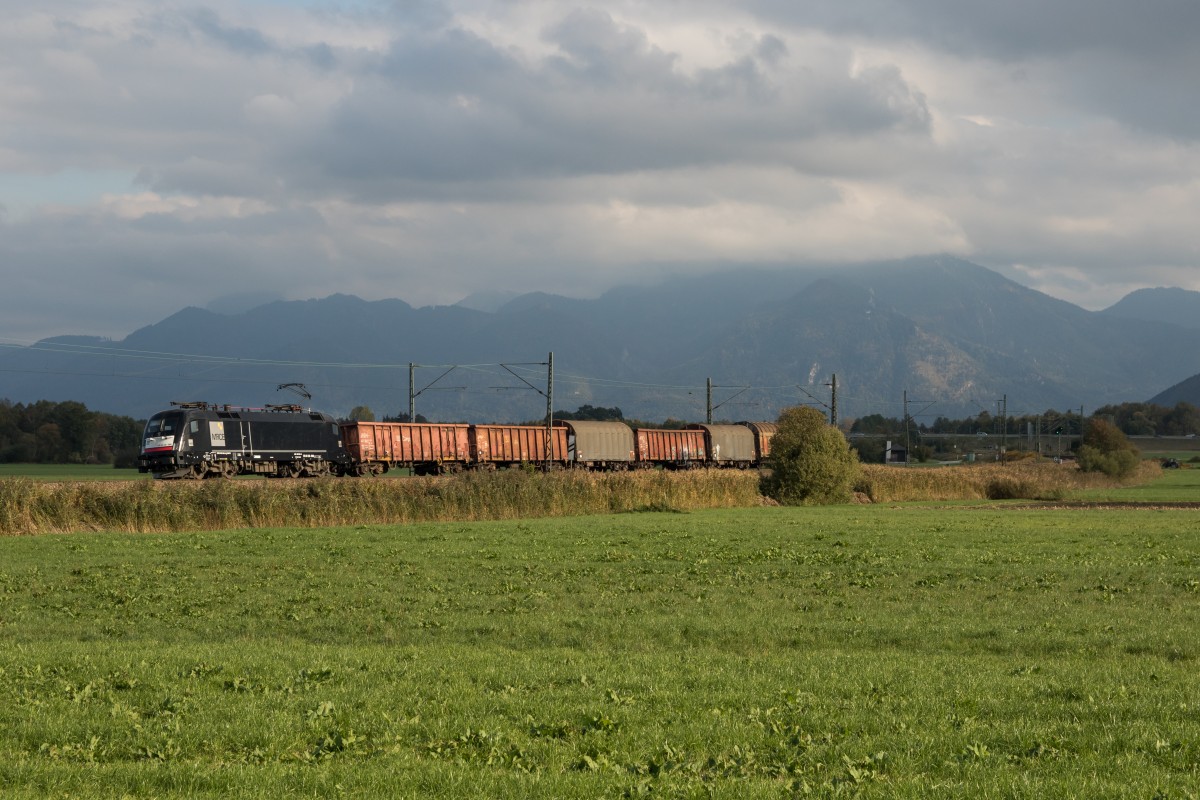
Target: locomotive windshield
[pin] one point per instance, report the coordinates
(163, 425)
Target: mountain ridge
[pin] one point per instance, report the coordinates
(1161, 304)
(953, 334)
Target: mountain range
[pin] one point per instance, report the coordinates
(936, 335)
(1177, 306)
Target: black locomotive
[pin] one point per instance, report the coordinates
(199, 440)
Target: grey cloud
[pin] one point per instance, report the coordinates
(877, 100)
(444, 105)
(320, 55)
(246, 41)
(771, 49)
(66, 265)
(453, 107)
(577, 162)
(238, 175)
(1015, 29)
(422, 15)
(741, 78)
(598, 51)
(446, 62)
(1156, 96)
(269, 223)
(1133, 62)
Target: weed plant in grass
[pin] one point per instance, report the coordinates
(853, 651)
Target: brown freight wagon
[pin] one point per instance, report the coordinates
(673, 449)
(494, 446)
(763, 431)
(428, 448)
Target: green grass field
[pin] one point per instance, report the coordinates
(874, 651)
(1173, 486)
(69, 472)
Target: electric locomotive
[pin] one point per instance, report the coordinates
(199, 440)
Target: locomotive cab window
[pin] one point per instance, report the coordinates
(163, 426)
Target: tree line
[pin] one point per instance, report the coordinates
(66, 432)
(1132, 419)
(69, 433)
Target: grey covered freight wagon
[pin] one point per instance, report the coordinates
(599, 445)
(729, 445)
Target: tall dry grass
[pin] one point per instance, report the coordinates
(1022, 480)
(29, 507)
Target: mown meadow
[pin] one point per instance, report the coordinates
(887, 650)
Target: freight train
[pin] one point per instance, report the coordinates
(200, 440)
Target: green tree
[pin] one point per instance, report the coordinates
(50, 445)
(1181, 420)
(77, 427)
(811, 461)
(876, 423)
(1106, 449)
(362, 414)
(588, 412)
(403, 417)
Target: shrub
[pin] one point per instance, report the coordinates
(1105, 449)
(811, 461)
(922, 453)
(1117, 464)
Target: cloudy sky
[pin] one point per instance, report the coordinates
(162, 153)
